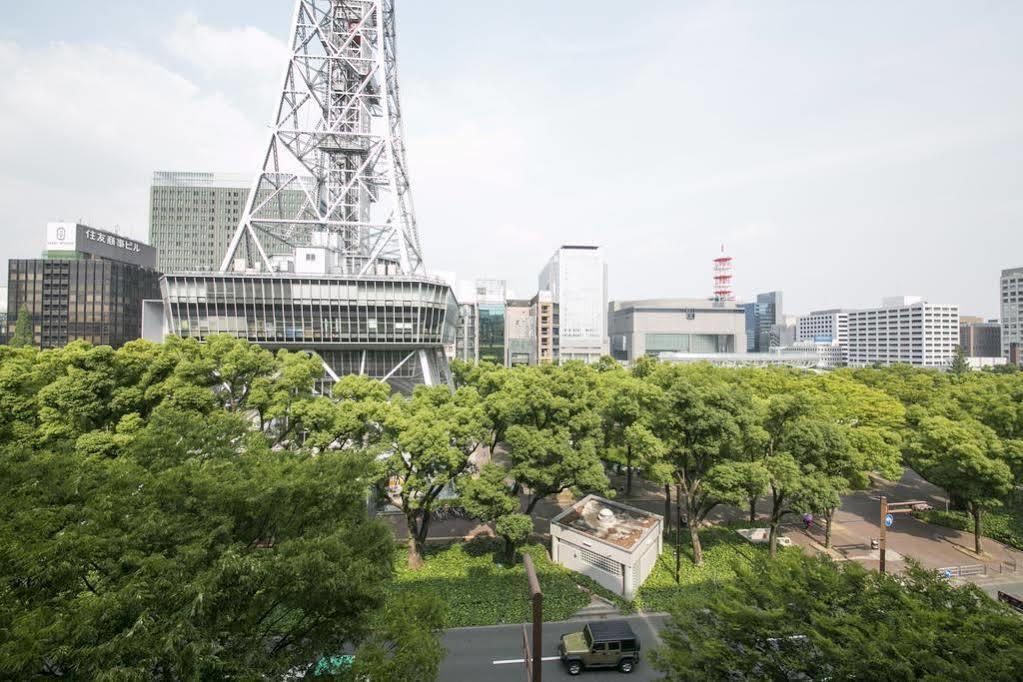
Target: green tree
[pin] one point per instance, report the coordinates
(700, 432)
(629, 407)
(489, 498)
(433, 435)
(960, 365)
(555, 436)
(186, 548)
(403, 644)
(965, 458)
(808, 618)
(23, 336)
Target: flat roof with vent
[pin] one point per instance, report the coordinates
(611, 522)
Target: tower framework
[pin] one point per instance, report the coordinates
(723, 269)
(340, 272)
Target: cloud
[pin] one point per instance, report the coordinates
(87, 126)
(244, 56)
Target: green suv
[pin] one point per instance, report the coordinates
(601, 644)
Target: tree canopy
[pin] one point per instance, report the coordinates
(809, 618)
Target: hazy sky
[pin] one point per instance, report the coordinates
(842, 151)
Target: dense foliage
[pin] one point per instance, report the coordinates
(809, 618)
(163, 517)
(200, 511)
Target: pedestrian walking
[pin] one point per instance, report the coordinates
(807, 522)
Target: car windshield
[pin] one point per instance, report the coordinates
(588, 635)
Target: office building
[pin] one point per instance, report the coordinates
(467, 333)
(677, 325)
(491, 305)
(193, 216)
(519, 334)
(764, 321)
(1011, 298)
(823, 326)
(89, 287)
(546, 321)
(3, 316)
(980, 339)
(576, 276)
(831, 354)
(903, 330)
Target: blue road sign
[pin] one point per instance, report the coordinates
(888, 520)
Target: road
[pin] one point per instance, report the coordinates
(494, 653)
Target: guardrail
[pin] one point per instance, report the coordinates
(969, 571)
(1010, 599)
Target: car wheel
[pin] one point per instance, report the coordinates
(575, 667)
(625, 665)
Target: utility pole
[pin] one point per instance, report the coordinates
(888, 512)
(884, 527)
(533, 655)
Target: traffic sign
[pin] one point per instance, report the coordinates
(888, 520)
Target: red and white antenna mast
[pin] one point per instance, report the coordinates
(723, 269)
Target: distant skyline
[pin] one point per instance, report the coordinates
(842, 152)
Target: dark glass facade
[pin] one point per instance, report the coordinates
(491, 326)
(92, 300)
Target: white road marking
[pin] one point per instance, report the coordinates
(522, 660)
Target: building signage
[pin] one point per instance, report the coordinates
(115, 247)
(61, 236)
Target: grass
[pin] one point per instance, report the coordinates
(1004, 525)
(722, 548)
(479, 590)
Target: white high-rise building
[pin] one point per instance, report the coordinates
(1012, 309)
(903, 330)
(576, 276)
(823, 326)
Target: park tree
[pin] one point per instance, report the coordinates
(489, 498)
(23, 336)
(186, 549)
(628, 408)
(808, 618)
(554, 442)
(403, 643)
(960, 365)
(433, 435)
(699, 429)
(965, 458)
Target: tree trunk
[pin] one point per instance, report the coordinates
(628, 470)
(752, 510)
(415, 556)
(977, 535)
(773, 539)
(509, 551)
(532, 503)
(667, 508)
(694, 536)
(418, 531)
(827, 528)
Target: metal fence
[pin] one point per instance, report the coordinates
(969, 571)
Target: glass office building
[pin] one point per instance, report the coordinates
(85, 289)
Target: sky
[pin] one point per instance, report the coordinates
(841, 152)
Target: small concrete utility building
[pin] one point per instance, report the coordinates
(612, 543)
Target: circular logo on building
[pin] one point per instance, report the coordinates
(61, 233)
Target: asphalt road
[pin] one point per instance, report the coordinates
(494, 653)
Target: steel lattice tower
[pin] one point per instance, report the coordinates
(327, 257)
(338, 123)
